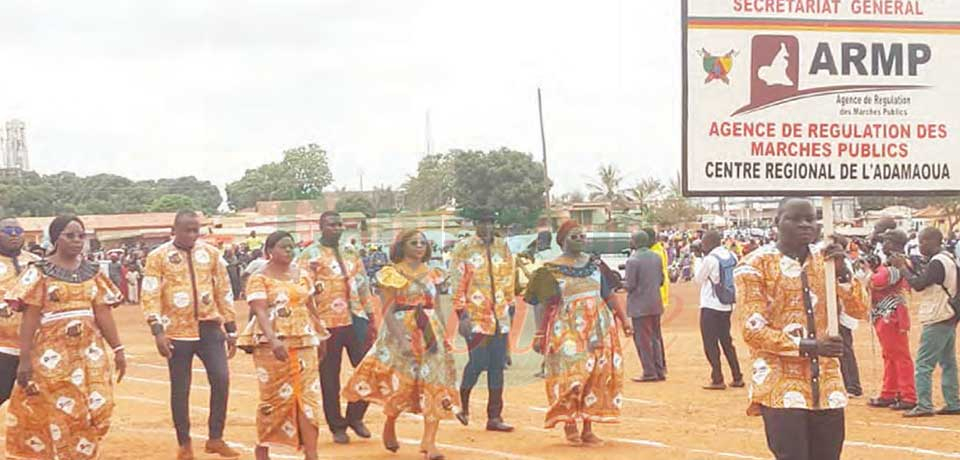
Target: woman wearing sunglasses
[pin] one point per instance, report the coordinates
(410, 368)
(577, 335)
(13, 261)
(63, 401)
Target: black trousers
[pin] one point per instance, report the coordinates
(848, 364)
(487, 353)
(715, 332)
(211, 348)
(800, 434)
(8, 375)
(341, 338)
(648, 338)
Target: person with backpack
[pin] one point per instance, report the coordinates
(936, 288)
(717, 298)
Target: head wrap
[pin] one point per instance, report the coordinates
(564, 230)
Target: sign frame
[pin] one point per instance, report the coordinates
(777, 192)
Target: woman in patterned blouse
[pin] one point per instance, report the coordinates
(63, 402)
(578, 336)
(284, 336)
(411, 367)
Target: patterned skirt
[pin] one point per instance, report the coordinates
(73, 370)
(419, 381)
(584, 381)
(286, 390)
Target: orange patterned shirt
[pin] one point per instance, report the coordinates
(287, 303)
(770, 291)
(183, 287)
(484, 279)
(9, 319)
(339, 292)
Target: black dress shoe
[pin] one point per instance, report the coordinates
(900, 405)
(737, 384)
(498, 425)
(645, 379)
(340, 437)
(464, 418)
(360, 429)
(881, 402)
(947, 411)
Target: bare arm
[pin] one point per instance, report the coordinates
(28, 329)
(103, 315)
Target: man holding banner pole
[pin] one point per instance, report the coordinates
(796, 384)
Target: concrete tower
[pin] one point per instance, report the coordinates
(15, 155)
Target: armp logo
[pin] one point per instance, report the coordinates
(775, 68)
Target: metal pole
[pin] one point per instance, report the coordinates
(546, 176)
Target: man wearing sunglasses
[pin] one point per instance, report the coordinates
(12, 261)
(482, 273)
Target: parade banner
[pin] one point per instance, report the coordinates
(821, 97)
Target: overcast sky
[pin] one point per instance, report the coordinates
(211, 88)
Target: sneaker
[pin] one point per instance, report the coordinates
(949, 411)
(903, 405)
(917, 412)
(881, 402)
(219, 447)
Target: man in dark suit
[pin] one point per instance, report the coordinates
(644, 278)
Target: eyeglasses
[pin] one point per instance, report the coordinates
(73, 235)
(12, 231)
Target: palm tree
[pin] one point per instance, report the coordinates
(607, 188)
(646, 190)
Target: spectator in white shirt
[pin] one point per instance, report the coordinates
(714, 314)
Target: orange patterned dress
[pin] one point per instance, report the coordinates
(582, 355)
(422, 380)
(285, 387)
(72, 366)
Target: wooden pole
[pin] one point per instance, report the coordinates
(830, 270)
(546, 176)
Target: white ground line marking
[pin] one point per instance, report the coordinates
(497, 453)
(195, 386)
(913, 450)
(910, 427)
(195, 370)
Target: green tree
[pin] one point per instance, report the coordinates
(356, 203)
(645, 191)
(301, 175)
(433, 186)
(172, 203)
(504, 180)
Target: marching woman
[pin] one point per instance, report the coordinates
(284, 336)
(411, 367)
(577, 334)
(62, 405)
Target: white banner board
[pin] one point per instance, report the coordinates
(821, 97)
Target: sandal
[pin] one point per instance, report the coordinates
(573, 435)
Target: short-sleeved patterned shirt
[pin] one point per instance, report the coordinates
(483, 277)
(340, 291)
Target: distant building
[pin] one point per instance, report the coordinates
(14, 143)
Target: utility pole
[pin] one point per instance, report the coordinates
(546, 175)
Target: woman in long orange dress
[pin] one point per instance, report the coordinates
(577, 334)
(62, 404)
(284, 336)
(411, 367)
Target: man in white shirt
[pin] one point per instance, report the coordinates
(715, 314)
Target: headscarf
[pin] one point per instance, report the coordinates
(564, 230)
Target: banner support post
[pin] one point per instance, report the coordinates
(830, 270)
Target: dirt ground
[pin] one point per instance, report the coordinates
(666, 420)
